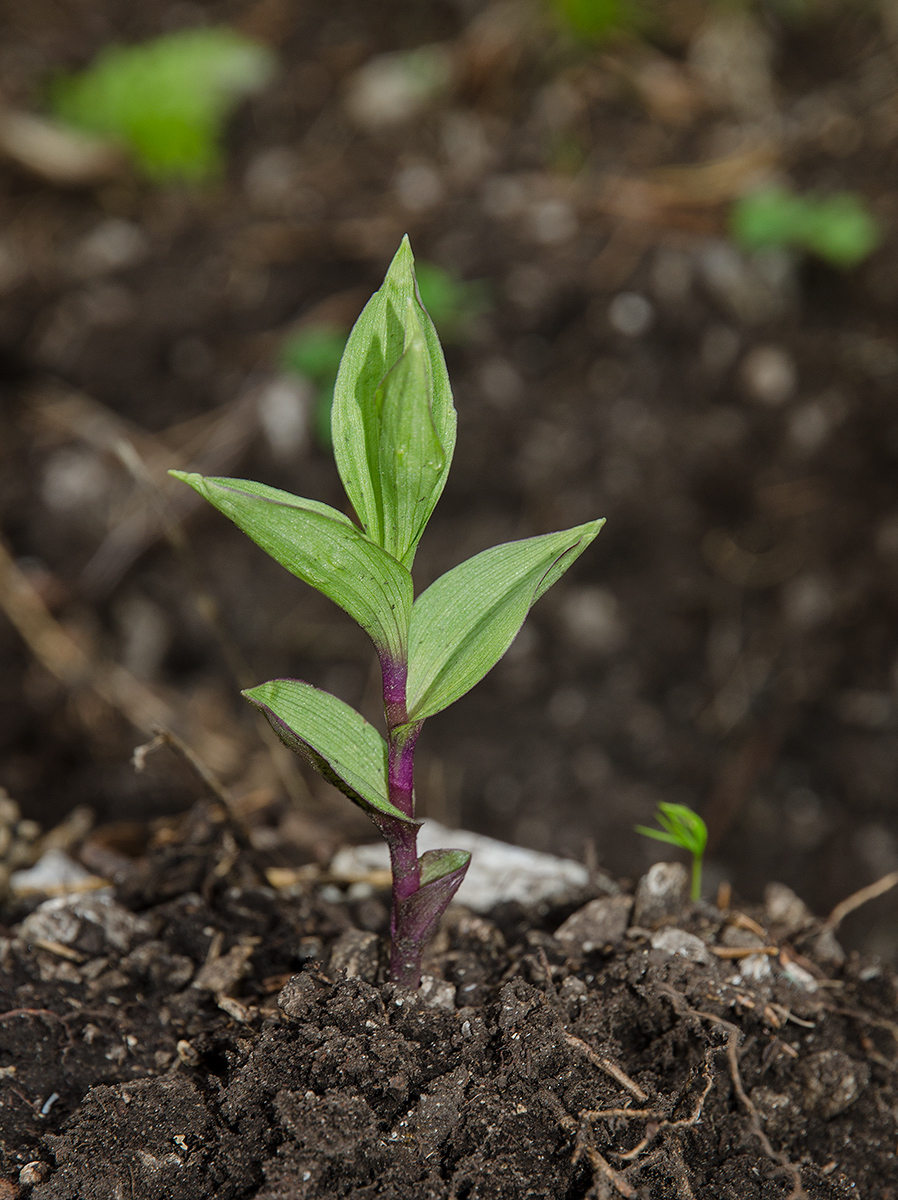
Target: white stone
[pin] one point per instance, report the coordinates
(631, 314)
(678, 941)
(769, 375)
(53, 871)
(498, 872)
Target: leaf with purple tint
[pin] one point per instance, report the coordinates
(324, 548)
(442, 872)
(336, 740)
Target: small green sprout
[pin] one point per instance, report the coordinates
(393, 429)
(681, 827)
(839, 229)
(167, 99)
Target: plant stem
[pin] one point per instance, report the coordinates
(696, 891)
(405, 951)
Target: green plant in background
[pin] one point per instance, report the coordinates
(594, 22)
(167, 99)
(591, 20)
(680, 826)
(393, 426)
(839, 229)
(315, 351)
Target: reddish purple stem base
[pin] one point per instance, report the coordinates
(416, 907)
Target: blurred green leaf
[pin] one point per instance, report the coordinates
(315, 352)
(591, 20)
(453, 303)
(166, 99)
(680, 826)
(839, 229)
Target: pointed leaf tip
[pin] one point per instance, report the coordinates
(465, 621)
(393, 323)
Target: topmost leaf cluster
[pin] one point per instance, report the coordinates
(394, 454)
(393, 426)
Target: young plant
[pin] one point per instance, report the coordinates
(166, 99)
(681, 827)
(393, 426)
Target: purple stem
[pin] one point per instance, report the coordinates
(405, 953)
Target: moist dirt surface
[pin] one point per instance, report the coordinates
(220, 1026)
(171, 1052)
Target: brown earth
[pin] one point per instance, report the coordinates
(729, 641)
(170, 1054)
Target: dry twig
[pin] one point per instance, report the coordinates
(606, 1065)
(862, 896)
(733, 1035)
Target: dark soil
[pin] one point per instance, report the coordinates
(170, 1054)
(729, 641)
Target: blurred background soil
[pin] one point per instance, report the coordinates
(728, 642)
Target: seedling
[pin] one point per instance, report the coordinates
(167, 99)
(393, 426)
(839, 229)
(681, 827)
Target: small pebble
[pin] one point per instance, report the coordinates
(187, 1053)
(769, 375)
(356, 954)
(284, 406)
(34, 1172)
(832, 1081)
(553, 221)
(110, 246)
(592, 619)
(418, 187)
(754, 968)
(678, 941)
(660, 893)
(631, 314)
(395, 87)
(599, 923)
(437, 993)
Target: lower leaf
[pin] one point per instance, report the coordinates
(336, 740)
(442, 872)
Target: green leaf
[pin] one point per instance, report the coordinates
(442, 872)
(337, 741)
(682, 827)
(322, 547)
(436, 864)
(378, 413)
(411, 457)
(465, 621)
(168, 98)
